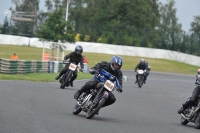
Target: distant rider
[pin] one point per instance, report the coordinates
(195, 94)
(141, 66)
(113, 67)
(74, 57)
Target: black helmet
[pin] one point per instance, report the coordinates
(79, 49)
(142, 61)
(116, 63)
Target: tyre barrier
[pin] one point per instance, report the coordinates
(23, 66)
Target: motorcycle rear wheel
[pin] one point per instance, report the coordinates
(91, 112)
(184, 121)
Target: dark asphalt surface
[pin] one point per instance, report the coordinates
(35, 107)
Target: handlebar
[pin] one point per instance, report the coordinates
(141, 69)
(67, 62)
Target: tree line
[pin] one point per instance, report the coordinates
(142, 23)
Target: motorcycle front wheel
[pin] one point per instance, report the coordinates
(140, 81)
(197, 122)
(184, 121)
(65, 80)
(91, 112)
(77, 109)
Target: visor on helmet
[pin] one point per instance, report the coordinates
(116, 66)
(78, 51)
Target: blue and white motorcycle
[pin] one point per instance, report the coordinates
(92, 101)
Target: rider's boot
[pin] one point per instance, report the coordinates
(71, 81)
(77, 94)
(184, 106)
(145, 78)
(71, 84)
(80, 91)
(61, 73)
(58, 77)
(181, 110)
(136, 81)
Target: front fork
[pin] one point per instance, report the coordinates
(100, 94)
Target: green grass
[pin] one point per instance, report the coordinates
(40, 77)
(129, 62)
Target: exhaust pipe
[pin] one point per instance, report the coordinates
(184, 116)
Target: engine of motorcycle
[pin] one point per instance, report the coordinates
(190, 112)
(87, 106)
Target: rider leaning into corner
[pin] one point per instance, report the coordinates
(113, 67)
(195, 94)
(142, 66)
(74, 57)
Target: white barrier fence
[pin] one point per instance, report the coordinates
(108, 49)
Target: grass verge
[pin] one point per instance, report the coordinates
(40, 77)
(129, 63)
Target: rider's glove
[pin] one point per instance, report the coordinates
(96, 72)
(93, 71)
(120, 89)
(81, 70)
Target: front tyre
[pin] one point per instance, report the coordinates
(197, 122)
(66, 81)
(62, 86)
(140, 84)
(140, 81)
(184, 121)
(91, 112)
(77, 109)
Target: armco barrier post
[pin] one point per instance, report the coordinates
(85, 67)
(56, 66)
(50, 66)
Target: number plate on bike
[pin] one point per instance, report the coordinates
(109, 85)
(72, 67)
(140, 71)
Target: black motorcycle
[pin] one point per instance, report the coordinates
(92, 101)
(192, 114)
(65, 79)
(140, 74)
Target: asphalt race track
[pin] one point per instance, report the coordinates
(36, 107)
